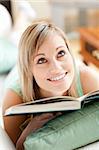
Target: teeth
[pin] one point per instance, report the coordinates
(58, 78)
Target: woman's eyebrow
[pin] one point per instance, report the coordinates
(44, 54)
(39, 54)
(59, 47)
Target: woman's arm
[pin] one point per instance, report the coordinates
(36, 123)
(12, 123)
(89, 79)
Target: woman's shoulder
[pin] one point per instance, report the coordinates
(89, 78)
(10, 98)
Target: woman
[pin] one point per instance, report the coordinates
(46, 68)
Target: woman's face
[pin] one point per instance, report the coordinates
(52, 67)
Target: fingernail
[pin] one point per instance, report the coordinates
(57, 113)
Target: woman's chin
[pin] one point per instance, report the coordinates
(59, 91)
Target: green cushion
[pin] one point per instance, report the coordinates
(8, 55)
(67, 132)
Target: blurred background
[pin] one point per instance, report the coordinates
(78, 18)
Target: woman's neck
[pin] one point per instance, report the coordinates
(45, 94)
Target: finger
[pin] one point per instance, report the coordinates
(44, 116)
(57, 113)
(51, 117)
(54, 116)
(48, 115)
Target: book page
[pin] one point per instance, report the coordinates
(90, 95)
(50, 100)
(40, 108)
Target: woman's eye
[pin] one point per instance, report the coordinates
(61, 53)
(41, 61)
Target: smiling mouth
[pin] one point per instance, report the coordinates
(57, 78)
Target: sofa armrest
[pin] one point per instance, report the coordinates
(5, 141)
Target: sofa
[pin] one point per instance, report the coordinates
(5, 141)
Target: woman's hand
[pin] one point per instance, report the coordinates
(36, 123)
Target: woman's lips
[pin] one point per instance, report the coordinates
(57, 78)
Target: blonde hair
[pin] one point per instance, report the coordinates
(30, 41)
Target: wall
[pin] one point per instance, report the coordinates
(41, 7)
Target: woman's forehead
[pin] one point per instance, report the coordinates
(48, 40)
(53, 39)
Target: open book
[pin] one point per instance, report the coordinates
(52, 104)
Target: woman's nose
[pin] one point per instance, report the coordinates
(55, 67)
